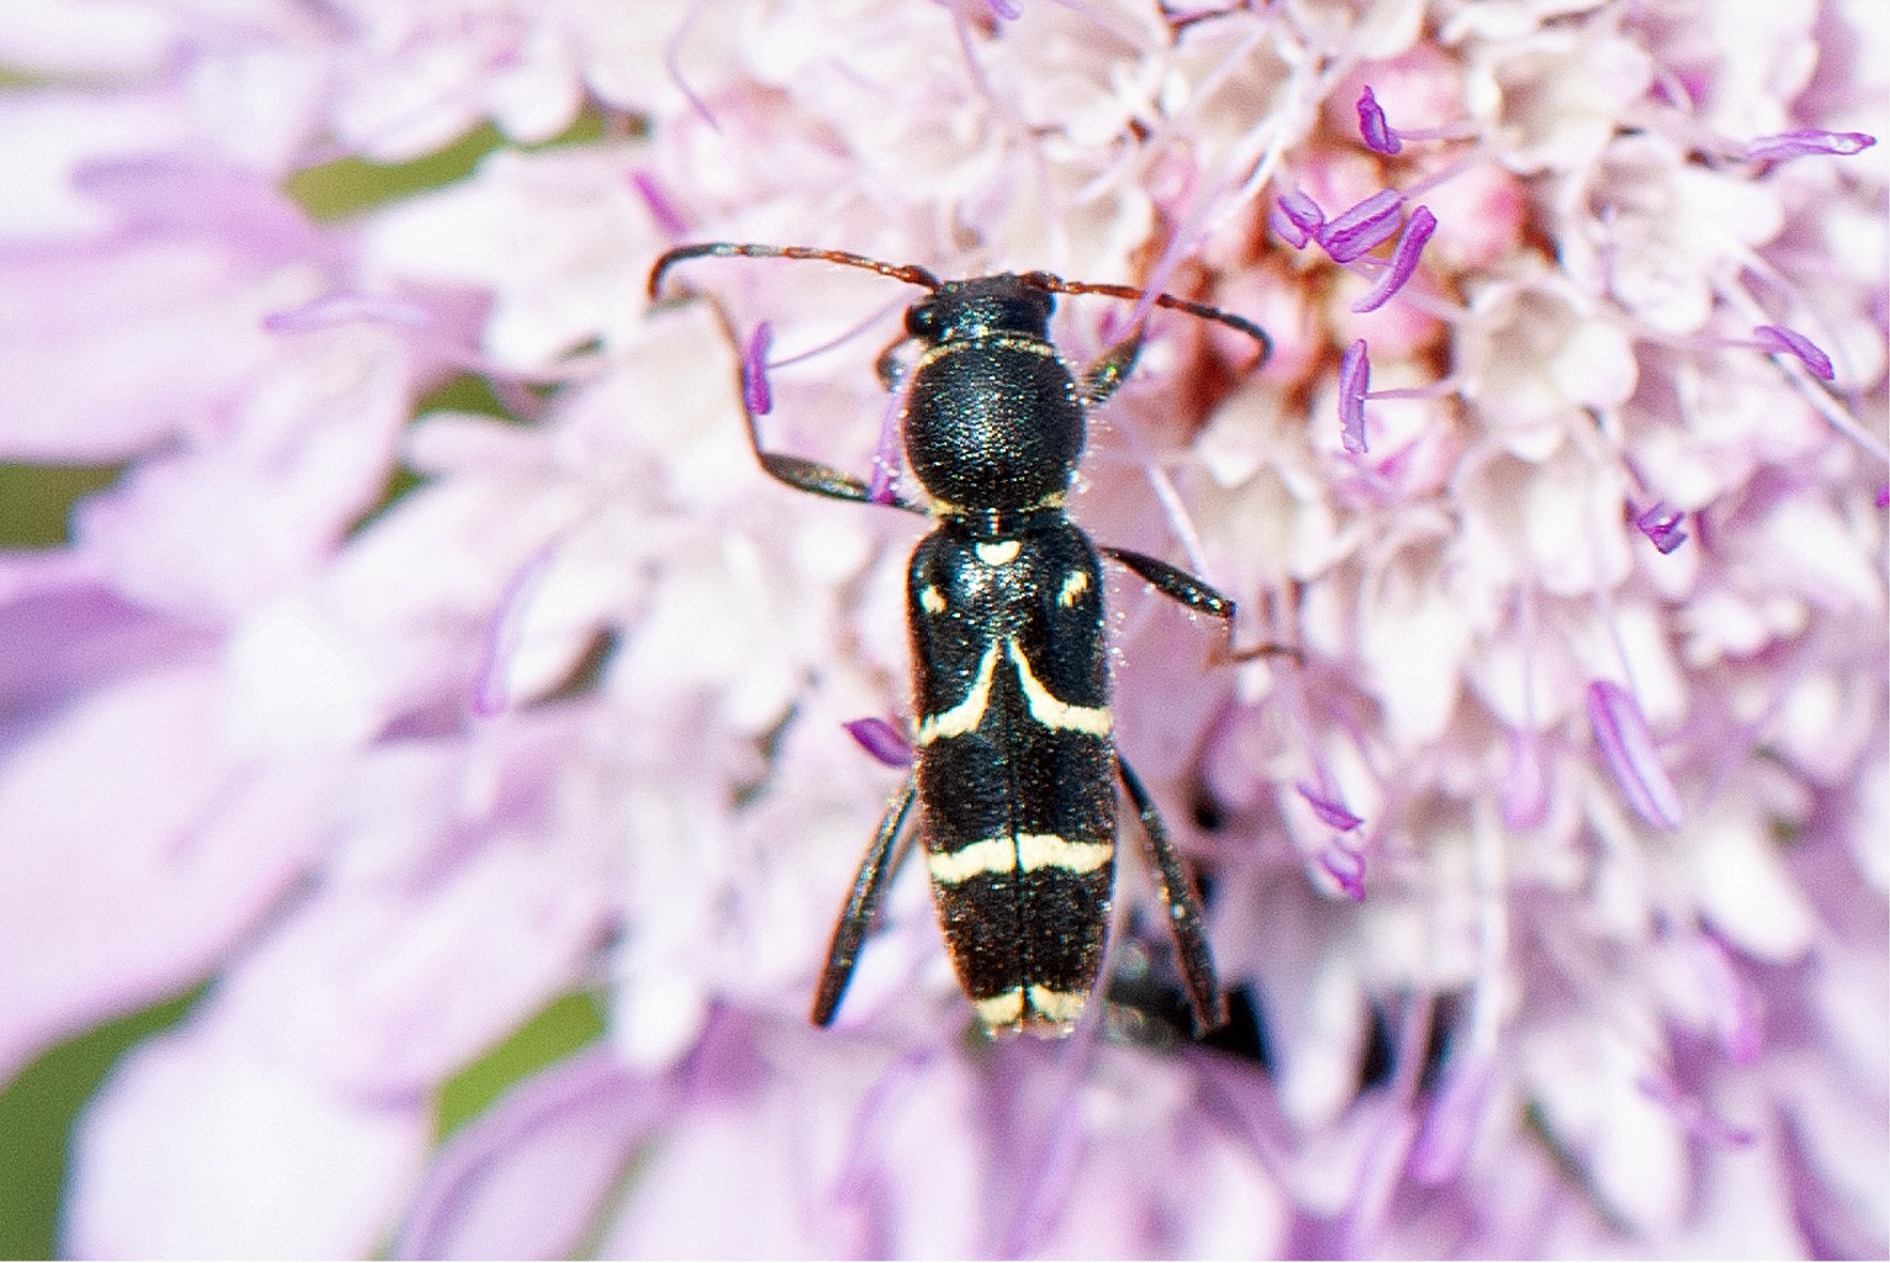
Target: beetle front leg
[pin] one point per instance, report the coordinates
(1110, 369)
(797, 472)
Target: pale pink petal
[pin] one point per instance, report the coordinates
(530, 1177)
(386, 988)
(201, 1146)
(46, 139)
(750, 1138)
(106, 353)
(123, 38)
(427, 81)
(137, 851)
(217, 529)
(108, 347)
(64, 631)
(1746, 891)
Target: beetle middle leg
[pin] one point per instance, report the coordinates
(1173, 582)
(1178, 585)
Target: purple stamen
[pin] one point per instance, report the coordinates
(672, 63)
(1778, 340)
(1805, 143)
(1297, 218)
(886, 453)
(491, 692)
(1329, 809)
(1621, 732)
(1404, 261)
(1286, 229)
(1695, 1117)
(1883, 495)
(1735, 1008)
(1346, 867)
(661, 209)
(1661, 525)
(1525, 798)
(1362, 227)
(882, 740)
(1450, 1126)
(755, 391)
(333, 310)
(1377, 133)
(1355, 378)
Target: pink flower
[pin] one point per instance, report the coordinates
(438, 652)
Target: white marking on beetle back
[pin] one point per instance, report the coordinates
(1061, 1007)
(1047, 850)
(1050, 710)
(1028, 851)
(968, 714)
(1001, 553)
(1074, 585)
(987, 855)
(984, 342)
(1001, 1010)
(931, 599)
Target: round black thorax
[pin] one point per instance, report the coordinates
(992, 418)
(994, 423)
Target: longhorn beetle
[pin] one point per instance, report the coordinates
(1014, 756)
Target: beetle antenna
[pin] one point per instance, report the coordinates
(1057, 285)
(908, 273)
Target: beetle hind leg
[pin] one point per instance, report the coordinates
(1181, 906)
(877, 868)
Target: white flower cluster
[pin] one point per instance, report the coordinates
(440, 649)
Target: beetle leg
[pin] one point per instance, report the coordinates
(1181, 906)
(1110, 369)
(1178, 585)
(1174, 583)
(876, 871)
(798, 473)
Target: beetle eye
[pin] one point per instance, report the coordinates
(922, 320)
